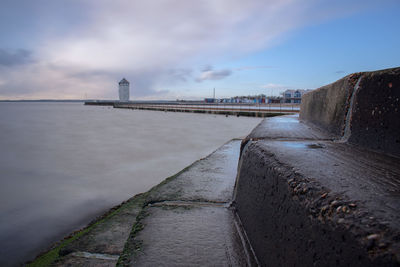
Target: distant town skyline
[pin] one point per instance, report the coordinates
(176, 49)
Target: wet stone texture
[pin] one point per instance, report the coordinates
(188, 222)
(303, 215)
(375, 122)
(287, 127)
(72, 261)
(102, 245)
(189, 236)
(210, 179)
(307, 200)
(372, 118)
(184, 221)
(327, 106)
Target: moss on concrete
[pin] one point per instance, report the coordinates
(49, 257)
(53, 255)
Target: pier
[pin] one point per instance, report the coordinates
(240, 109)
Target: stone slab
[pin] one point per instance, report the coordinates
(188, 222)
(108, 236)
(189, 236)
(210, 179)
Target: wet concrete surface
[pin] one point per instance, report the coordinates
(210, 179)
(190, 236)
(316, 202)
(364, 176)
(287, 127)
(362, 108)
(188, 221)
(105, 241)
(184, 221)
(375, 120)
(109, 236)
(72, 261)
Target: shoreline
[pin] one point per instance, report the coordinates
(138, 150)
(50, 256)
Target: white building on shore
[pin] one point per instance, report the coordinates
(123, 90)
(294, 96)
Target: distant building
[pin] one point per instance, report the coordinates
(209, 100)
(123, 90)
(274, 100)
(293, 96)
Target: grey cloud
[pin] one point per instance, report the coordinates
(98, 43)
(207, 68)
(180, 75)
(142, 82)
(213, 75)
(69, 82)
(20, 56)
(340, 72)
(253, 67)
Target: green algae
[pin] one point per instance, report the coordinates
(53, 255)
(134, 246)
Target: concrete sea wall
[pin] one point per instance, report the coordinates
(325, 190)
(362, 107)
(322, 190)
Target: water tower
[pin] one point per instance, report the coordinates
(123, 90)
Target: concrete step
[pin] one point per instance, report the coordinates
(185, 220)
(315, 201)
(188, 222)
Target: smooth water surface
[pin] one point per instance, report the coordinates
(62, 164)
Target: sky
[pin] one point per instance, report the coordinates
(183, 49)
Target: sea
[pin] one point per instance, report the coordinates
(63, 164)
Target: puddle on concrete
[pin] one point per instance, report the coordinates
(303, 145)
(315, 146)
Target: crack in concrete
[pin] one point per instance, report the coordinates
(290, 139)
(88, 255)
(190, 203)
(251, 257)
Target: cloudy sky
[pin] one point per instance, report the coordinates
(169, 49)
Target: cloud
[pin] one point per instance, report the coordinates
(63, 81)
(213, 75)
(340, 72)
(207, 68)
(274, 86)
(274, 89)
(88, 46)
(20, 56)
(209, 74)
(253, 68)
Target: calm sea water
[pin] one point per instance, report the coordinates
(62, 164)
